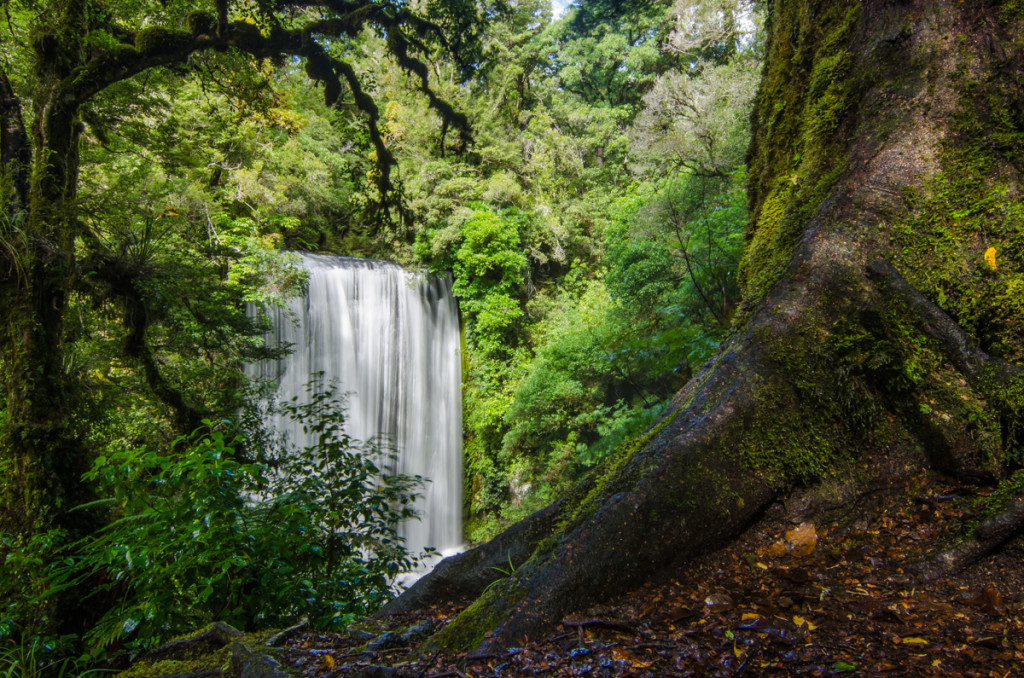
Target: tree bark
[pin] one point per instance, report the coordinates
(841, 353)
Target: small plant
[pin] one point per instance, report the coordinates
(504, 572)
(39, 658)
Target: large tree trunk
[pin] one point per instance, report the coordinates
(876, 126)
(37, 265)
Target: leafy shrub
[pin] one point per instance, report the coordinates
(215, 529)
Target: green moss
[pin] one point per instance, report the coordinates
(469, 629)
(150, 39)
(962, 244)
(158, 39)
(199, 657)
(246, 35)
(173, 667)
(834, 389)
(1011, 10)
(803, 117)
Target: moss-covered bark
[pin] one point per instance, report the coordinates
(842, 351)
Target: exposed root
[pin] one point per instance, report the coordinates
(989, 536)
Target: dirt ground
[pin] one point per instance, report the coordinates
(812, 588)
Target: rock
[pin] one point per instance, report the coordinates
(360, 635)
(212, 638)
(800, 507)
(246, 663)
(385, 641)
(719, 602)
(281, 637)
(417, 632)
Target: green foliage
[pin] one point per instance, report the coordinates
(38, 658)
(220, 528)
(640, 271)
(608, 52)
(589, 290)
(489, 270)
(590, 287)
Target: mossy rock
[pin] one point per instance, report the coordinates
(217, 650)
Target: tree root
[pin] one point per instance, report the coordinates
(960, 348)
(468, 574)
(989, 536)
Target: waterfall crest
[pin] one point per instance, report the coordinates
(390, 340)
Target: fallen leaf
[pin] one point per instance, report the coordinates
(719, 601)
(800, 621)
(913, 640)
(801, 540)
(622, 655)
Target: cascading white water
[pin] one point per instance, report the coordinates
(390, 340)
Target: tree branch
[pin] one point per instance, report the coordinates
(159, 47)
(121, 277)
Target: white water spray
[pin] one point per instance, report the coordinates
(390, 340)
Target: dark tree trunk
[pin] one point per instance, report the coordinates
(877, 123)
(39, 265)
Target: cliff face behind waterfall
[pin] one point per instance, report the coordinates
(389, 341)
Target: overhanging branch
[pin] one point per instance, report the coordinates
(156, 47)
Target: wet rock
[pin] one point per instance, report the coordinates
(417, 632)
(385, 641)
(280, 638)
(246, 663)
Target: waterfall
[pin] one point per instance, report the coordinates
(389, 339)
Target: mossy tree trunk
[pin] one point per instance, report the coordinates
(875, 324)
(38, 263)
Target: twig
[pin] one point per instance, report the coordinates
(427, 666)
(655, 646)
(612, 624)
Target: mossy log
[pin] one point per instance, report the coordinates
(845, 349)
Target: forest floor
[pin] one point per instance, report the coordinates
(804, 591)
